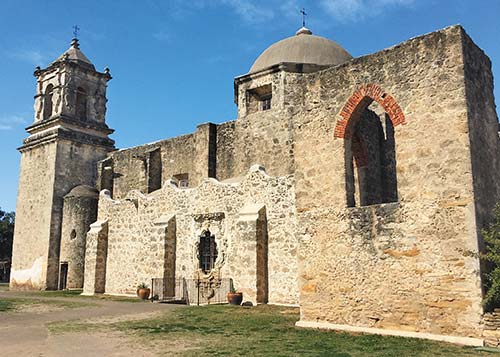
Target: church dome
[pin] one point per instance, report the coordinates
(83, 191)
(304, 47)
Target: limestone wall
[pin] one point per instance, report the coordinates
(53, 162)
(491, 333)
(483, 129)
(265, 136)
(96, 251)
(226, 154)
(137, 242)
(191, 154)
(398, 266)
(76, 164)
(33, 218)
(48, 172)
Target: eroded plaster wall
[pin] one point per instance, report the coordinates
(48, 172)
(33, 218)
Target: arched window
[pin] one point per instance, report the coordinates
(81, 103)
(207, 251)
(47, 102)
(367, 127)
(371, 161)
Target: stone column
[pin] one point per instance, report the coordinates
(252, 281)
(95, 258)
(166, 230)
(206, 153)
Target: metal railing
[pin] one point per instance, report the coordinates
(190, 291)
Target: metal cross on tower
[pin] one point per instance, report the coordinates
(75, 31)
(303, 12)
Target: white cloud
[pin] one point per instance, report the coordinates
(162, 36)
(248, 11)
(355, 10)
(9, 122)
(291, 8)
(215, 59)
(32, 56)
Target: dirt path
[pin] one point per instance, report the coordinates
(26, 333)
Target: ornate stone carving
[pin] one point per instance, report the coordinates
(208, 283)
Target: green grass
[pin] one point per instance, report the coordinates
(75, 294)
(62, 327)
(6, 305)
(13, 304)
(270, 331)
(56, 293)
(257, 331)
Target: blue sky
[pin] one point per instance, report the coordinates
(174, 61)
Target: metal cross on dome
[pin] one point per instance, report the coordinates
(303, 12)
(75, 31)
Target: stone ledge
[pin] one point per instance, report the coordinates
(466, 341)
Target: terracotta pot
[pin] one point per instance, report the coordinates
(235, 298)
(143, 293)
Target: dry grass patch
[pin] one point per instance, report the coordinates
(38, 305)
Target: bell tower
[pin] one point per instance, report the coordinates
(67, 139)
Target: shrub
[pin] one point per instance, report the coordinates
(491, 257)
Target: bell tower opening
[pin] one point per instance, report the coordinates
(81, 103)
(47, 102)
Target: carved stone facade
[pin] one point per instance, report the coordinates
(379, 173)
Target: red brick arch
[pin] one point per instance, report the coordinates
(360, 100)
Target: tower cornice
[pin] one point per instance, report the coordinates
(63, 119)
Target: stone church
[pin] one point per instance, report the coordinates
(351, 187)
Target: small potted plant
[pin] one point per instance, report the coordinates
(143, 291)
(234, 297)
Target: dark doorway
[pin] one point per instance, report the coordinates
(63, 276)
(262, 260)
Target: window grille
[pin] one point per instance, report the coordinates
(207, 251)
(182, 180)
(266, 103)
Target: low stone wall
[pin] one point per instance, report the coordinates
(491, 328)
(253, 220)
